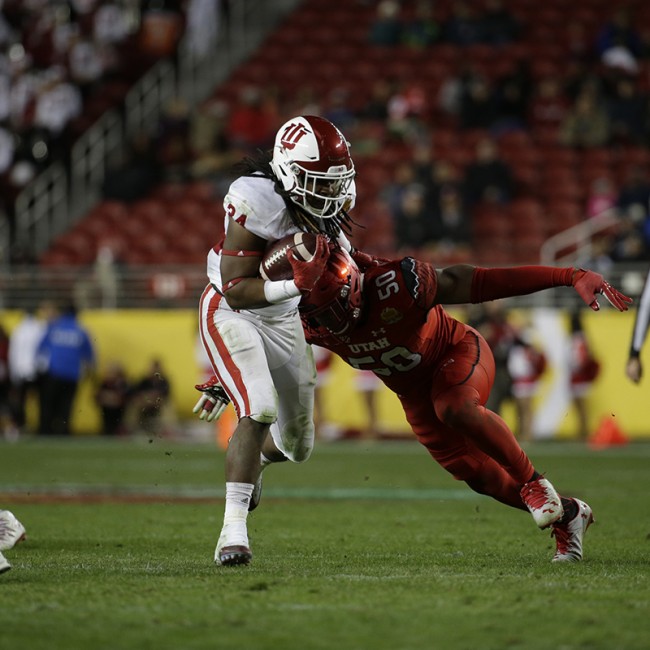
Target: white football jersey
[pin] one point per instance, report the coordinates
(254, 203)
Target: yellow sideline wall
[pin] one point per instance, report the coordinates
(136, 337)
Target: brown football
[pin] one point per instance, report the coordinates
(275, 264)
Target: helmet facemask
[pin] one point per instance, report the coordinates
(311, 159)
(322, 194)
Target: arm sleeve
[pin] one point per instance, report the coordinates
(492, 284)
(642, 320)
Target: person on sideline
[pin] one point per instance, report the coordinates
(634, 367)
(66, 353)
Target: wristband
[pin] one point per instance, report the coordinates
(280, 290)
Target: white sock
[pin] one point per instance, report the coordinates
(238, 498)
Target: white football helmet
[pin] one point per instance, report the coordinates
(311, 159)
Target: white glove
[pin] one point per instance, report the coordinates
(213, 401)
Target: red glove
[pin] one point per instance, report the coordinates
(589, 284)
(306, 274)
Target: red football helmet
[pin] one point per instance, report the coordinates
(311, 159)
(335, 301)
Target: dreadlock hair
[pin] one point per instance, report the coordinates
(260, 165)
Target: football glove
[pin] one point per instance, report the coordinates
(306, 274)
(213, 401)
(589, 284)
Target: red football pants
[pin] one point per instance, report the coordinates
(450, 419)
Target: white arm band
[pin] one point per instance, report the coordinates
(280, 290)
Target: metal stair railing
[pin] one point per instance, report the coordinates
(42, 209)
(88, 162)
(578, 238)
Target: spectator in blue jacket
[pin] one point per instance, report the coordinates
(66, 353)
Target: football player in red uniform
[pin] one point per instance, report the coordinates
(389, 319)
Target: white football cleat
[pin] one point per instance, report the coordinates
(543, 501)
(11, 530)
(568, 536)
(4, 564)
(232, 547)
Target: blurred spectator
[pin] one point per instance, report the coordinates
(161, 28)
(602, 196)
(627, 111)
(498, 25)
(413, 220)
(631, 242)
(85, 64)
(407, 111)
(598, 255)
(586, 124)
(488, 178)
(376, 106)
(479, 107)
(619, 58)
(139, 170)
(100, 287)
(422, 30)
(456, 87)
(112, 396)
(579, 44)
(58, 102)
(111, 23)
(150, 408)
(65, 354)
(203, 22)
(491, 321)
(404, 175)
(584, 369)
(619, 31)
(23, 363)
(451, 230)
(386, 28)
(172, 141)
(526, 364)
(337, 109)
(513, 97)
(635, 190)
(549, 106)
(463, 26)
(253, 120)
(212, 157)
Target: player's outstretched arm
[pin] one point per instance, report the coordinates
(463, 283)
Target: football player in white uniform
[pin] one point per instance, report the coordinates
(250, 327)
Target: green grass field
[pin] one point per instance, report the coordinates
(365, 546)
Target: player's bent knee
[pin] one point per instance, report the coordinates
(297, 440)
(265, 415)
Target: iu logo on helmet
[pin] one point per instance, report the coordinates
(292, 135)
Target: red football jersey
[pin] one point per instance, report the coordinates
(400, 335)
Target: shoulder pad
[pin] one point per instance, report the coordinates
(411, 278)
